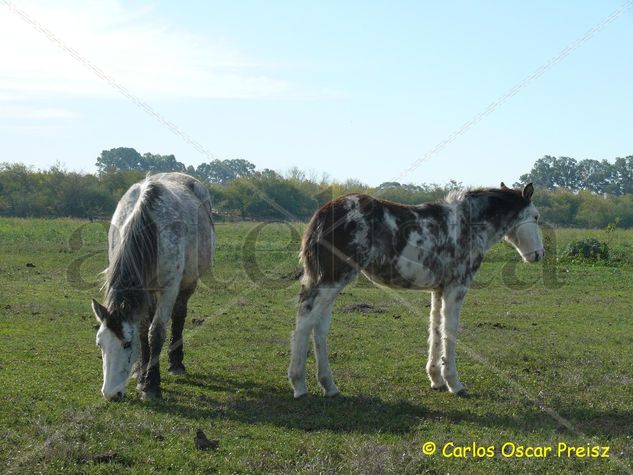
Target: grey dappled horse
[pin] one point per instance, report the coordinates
(161, 240)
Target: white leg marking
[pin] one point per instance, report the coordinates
(433, 365)
(299, 350)
(324, 373)
(311, 313)
(451, 305)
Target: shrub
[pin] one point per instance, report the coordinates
(589, 248)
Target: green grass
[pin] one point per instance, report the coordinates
(546, 360)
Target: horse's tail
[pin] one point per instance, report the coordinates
(134, 261)
(309, 254)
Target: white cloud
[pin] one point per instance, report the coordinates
(149, 58)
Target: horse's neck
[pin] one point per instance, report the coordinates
(484, 235)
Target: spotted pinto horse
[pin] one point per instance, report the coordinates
(434, 246)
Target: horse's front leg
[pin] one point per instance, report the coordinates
(141, 369)
(433, 365)
(156, 338)
(452, 300)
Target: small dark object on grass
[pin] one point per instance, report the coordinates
(202, 443)
(494, 325)
(107, 457)
(363, 308)
(30, 264)
(197, 321)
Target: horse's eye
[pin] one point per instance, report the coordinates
(127, 345)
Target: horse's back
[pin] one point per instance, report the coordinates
(187, 226)
(180, 207)
(392, 243)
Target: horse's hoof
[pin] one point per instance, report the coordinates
(177, 370)
(332, 394)
(301, 396)
(151, 395)
(462, 393)
(441, 388)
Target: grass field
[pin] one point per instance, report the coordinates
(545, 352)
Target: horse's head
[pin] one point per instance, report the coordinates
(524, 232)
(119, 343)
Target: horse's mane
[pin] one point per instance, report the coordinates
(497, 205)
(456, 196)
(505, 194)
(133, 260)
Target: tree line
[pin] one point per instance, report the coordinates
(568, 195)
(596, 176)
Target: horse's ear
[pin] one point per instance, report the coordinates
(528, 191)
(503, 186)
(100, 311)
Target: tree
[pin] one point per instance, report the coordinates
(596, 176)
(623, 171)
(224, 171)
(551, 172)
(161, 163)
(119, 159)
(389, 184)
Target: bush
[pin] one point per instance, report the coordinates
(589, 248)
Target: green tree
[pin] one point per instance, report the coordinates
(161, 163)
(119, 159)
(623, 170)
(551, 172)
(224, 171)
(597, 176)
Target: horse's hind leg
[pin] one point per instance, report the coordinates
(306, 319)
(433, 366)
(176, 345)
(324, 373)
(315, 307)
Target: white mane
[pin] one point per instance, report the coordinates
(456, 196)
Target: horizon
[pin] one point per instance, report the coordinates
(307, 175)
(375, 93)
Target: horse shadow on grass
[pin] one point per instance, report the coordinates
(256, 403)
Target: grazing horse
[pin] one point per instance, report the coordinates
(434, 246)
(161, 240)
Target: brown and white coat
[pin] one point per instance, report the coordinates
(435, 246)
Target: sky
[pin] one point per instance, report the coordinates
(343, 89)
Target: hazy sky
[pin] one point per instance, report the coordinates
(354, 89)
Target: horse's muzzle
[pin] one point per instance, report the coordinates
(534, 256)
